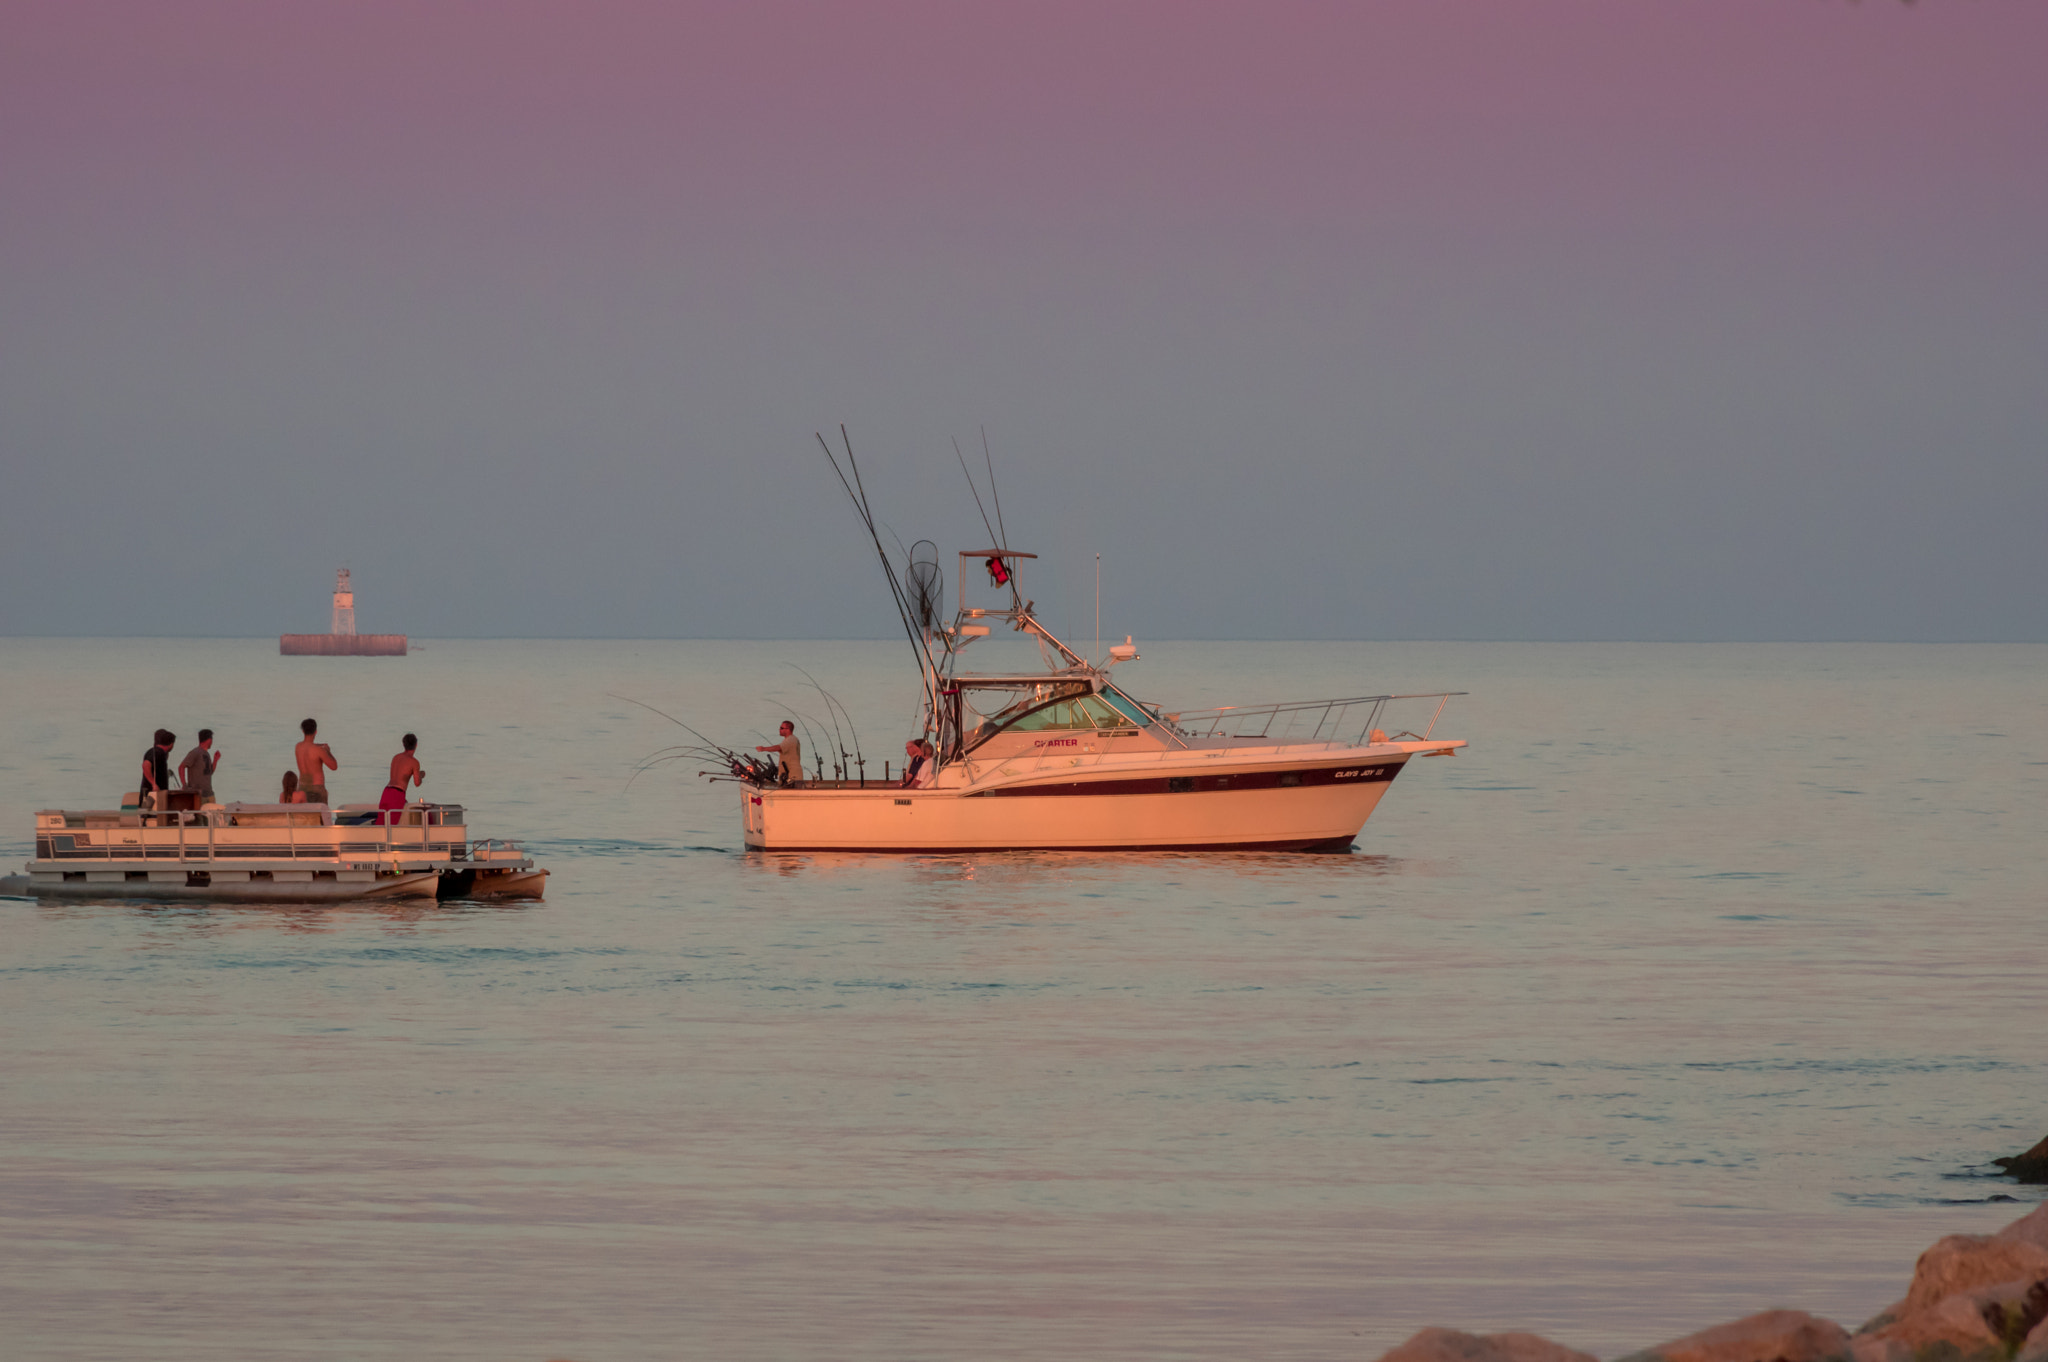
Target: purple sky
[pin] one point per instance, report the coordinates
(1695, 319)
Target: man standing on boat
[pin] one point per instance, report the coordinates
(156, 771)
(405, 770)
(195, 772)
(792, 754)
(316, 759)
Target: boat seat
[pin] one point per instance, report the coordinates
(277, 815)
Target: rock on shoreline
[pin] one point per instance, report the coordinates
(2031, 1166)
(1973, 1298)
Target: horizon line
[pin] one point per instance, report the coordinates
(884, 638)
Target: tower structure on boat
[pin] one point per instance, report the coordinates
(342, 640)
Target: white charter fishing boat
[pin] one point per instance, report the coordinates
(1065, 757)
(271, 853)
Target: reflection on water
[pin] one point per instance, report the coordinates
(244, 915)
(1690, 989)
(1017, 868)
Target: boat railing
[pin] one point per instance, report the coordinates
(323, 840)
(1350, 720)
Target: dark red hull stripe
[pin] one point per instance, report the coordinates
(1324, 844)
(1241, 780)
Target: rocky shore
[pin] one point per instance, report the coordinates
(2031, 1166)
(1974, 1298)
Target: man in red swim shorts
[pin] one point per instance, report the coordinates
(405, 770)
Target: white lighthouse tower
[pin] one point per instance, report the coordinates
(342, 640)
(344, 605)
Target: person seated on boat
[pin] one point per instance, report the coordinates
(315, 759)
(156, 770)
(195, 772)
(291, 793)
(405, 768)
(791, 752)
(920, 764)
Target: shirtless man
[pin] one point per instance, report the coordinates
(792, 753)
(405, 769)
(315, 760)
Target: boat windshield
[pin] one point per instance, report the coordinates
(1059, 707)
(1123, 704)
(1079, 711)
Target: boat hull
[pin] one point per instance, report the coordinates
(483, 882)
(524, 884)
(270, 853)
(1317, 808)
(219, 888)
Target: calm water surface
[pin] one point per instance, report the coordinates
(1699, 984)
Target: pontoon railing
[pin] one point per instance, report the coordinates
(1348, 720)
(383, 838)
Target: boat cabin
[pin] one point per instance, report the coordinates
(1000, 717)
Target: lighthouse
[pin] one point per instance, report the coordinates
(344, 605)
(341, 639)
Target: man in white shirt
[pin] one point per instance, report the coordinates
(920, 764)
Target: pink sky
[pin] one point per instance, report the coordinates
(816, 118)
(1531, 245)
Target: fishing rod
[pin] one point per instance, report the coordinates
(669, 754)
(1002, 534)
(856, 490)
(832, 703)
(903, 611)
(971, 487)
(838, 741)
(1000, 539)
(666, 715)
(735, 763)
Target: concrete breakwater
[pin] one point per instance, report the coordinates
(1973, 1298)
(341, 645)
